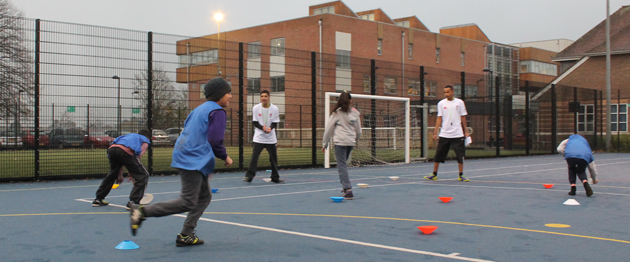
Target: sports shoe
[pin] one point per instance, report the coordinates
(347, 194)
(189, 240)
(277, 181)
(99, 202)
(129, 204)
(248, 179)
(572, 192)
(589, 191)
(137, 216)
(431, 177)
(463, 178)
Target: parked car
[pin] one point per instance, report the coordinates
(114, 133)
(28, 139)
(66, 137)
(97, 139)
(173, 133)
(160, 138)
(9, 140)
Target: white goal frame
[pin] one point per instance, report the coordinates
(406, 101)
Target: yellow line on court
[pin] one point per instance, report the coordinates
(337, 216)
(421, 220)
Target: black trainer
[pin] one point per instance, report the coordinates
(189, 240)
(248, 179)
(589, 191)
(99, 202)
(347, 194)
(137, 216)
(129, 204)
(572, 192)
(277, 181)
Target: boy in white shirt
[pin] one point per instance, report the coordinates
(451, 122)
(266, 117)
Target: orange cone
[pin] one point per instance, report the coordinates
(427, 229)
(446, 199)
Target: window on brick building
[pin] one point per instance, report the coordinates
(586, 118)
(379, 47)
(253, 50)
(343, 58)
(368, 17)
(324, 10)
(437, 55)
(253, 85)
(410, 51)
(367, 86)
(277, 84)
(390, 85)
(619, 117)
(277, 46)
(463, 57)
(430, 89)
(413, 87)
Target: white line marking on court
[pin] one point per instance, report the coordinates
(452, 255)
(360, 243)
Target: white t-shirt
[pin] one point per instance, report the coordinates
(451, 113)
(265, 116)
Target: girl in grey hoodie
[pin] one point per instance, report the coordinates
(344, 126)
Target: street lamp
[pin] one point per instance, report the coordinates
(218, 17)
(497, 108)
(118, 108)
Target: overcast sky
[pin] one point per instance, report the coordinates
(503, 21)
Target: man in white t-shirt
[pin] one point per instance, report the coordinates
(266, 117)
(451, 123)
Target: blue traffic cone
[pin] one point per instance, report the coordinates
(127, 245)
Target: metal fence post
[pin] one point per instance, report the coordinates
(528, 140)
(373, 112)
(498, 114)
(241, 134)
(463, 87)
(150, 95)
(37, 108)
(554, 119)
(595, 120)
(423, 152)
(314, 109)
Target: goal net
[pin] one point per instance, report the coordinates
(391, 131)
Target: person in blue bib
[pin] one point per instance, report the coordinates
(126, 151)
(193, 157)
(578, 155)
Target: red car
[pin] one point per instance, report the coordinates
(28, 139)
(97, 139)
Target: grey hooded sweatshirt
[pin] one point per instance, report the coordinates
(346, 128)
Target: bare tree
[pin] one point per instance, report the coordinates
(16, 66)
(168, 101)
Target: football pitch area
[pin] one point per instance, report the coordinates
(503, 214)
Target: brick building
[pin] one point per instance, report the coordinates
(277, 58)
(583, 64)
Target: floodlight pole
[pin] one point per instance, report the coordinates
(608, 85)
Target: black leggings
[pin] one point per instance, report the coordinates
(577, 166)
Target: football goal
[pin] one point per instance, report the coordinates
(391, 130)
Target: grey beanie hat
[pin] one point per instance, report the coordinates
(216, 88)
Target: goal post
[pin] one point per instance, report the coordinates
(386, 125)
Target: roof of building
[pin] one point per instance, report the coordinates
(594, 41)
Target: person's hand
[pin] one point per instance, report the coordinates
(595, 181)
(435, 137)
(324, 149)
(466, 134)
(228, 161)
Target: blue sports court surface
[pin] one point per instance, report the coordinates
(503, 214)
